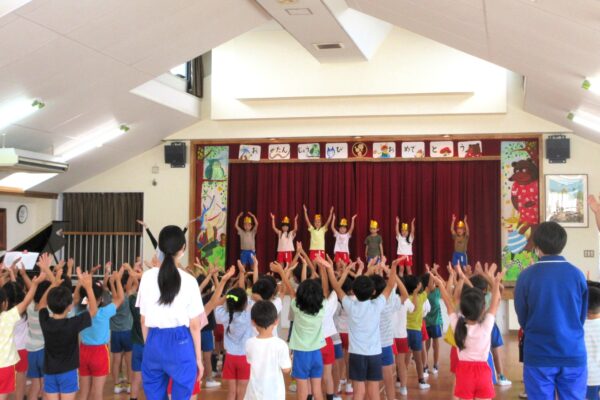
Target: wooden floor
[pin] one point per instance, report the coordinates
(440, 385)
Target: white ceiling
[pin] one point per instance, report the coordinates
(555, 44)
(83, 57)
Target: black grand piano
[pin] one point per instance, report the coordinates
(49, 239)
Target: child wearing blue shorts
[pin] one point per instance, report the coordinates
(35, 344)
(61, 336)
(247, 238)
(364, 315)
(308, 305)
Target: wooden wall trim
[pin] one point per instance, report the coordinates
(32, 194)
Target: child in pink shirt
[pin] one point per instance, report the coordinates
(472, 333)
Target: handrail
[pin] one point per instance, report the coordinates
(103, 233)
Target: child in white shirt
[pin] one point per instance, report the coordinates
(268, 356)
(342, 240)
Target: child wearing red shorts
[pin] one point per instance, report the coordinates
(317, 234)
(237, 324)
(94, 355)
(342, 239)
(10, 316)
(285, 244)
(473, 335)
(405, 243)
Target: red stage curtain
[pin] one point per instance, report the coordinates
(429, 191)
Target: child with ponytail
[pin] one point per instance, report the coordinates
(235, 317)
(472, 334)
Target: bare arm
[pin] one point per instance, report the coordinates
(118, 295)
(273, 226)
(397, 226)
(254, 269)
(333, 225)
(277, 268)
(22, 306)
(306, 219)
(452, 231)
(412, 229)
(25, 277)
(86, 282)
(255, 228)
(329, 218)
(391, 281)
(334, 283)
(214, 300)
(195, 329)
(443, 293)
(352, 224)
(295, 230)
(496, 296)
(595, 207)
(466, 226)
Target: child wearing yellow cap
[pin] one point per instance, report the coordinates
(460, 236)
(342, 239)
(373, 243)
(317, 233)
(247, 237)
(405, 242)
(285, 245)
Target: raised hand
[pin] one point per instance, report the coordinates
(594, 203)
(142, 223)
(272, 215)
(39, 279)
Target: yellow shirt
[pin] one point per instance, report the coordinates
(414, 320)
(317, 238)
(8, 348)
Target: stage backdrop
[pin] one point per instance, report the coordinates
(374, 180)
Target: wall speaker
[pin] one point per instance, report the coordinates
(175, 154)
(558, 149)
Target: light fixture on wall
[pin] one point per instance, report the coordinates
(25, 180)
(591, 84)
(95, 141)
(16, 110)
(585, 119)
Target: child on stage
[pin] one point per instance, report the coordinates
(373, 243)
(247, 237)
(342, 239)
(461, 240)
(317, 234)
(285, 245)
(405, 242)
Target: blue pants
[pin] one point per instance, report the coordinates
(570, 383)
(460, 258)
(593, 393)
(169, 353)
(246, 257)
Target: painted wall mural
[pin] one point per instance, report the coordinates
(211, 237)
(520, 204)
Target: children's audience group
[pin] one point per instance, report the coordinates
(356, 327)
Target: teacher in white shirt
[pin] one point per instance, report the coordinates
(170, 307)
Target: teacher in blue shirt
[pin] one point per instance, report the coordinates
(551, 300)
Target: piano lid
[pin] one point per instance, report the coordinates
(49, 239)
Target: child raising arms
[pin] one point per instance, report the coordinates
(285, 245)
(460, 236)
(473, 333)
(317, 233)
(405, 242)
(342, 239)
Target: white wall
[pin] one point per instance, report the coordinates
(164, 204)
(268, 74)
(585, 159)
(41, 213)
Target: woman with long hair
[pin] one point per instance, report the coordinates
(171, 307)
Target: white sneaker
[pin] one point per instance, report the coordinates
(425, 375)
(341, 385)
(292, 388)
(349, 389)
(119, 389)
(127, 387)
(403, 391)
(435, 370)
(211, 383)
(424, 386)
(336, 397)
(502, 381)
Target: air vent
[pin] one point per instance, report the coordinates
(328, 46)
(298, 11)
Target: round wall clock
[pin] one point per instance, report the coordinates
(22, 213)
